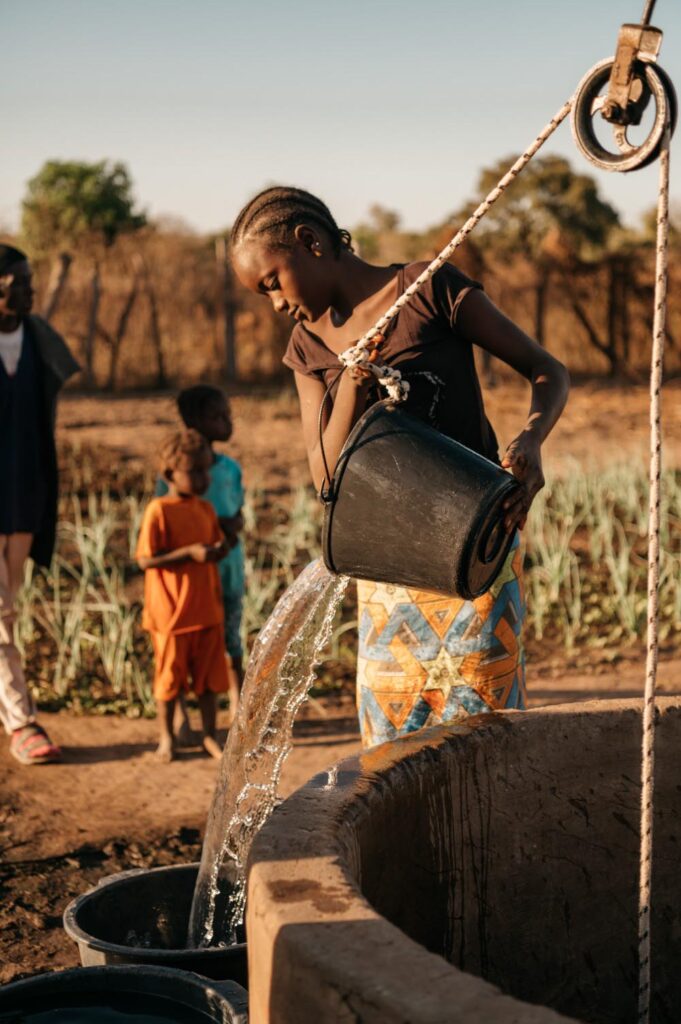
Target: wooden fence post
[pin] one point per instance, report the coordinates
(55, 287)
(95, 295)
(228, 305)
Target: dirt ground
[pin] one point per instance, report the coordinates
(111, 806)
(602, 423)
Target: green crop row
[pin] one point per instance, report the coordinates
(585, 574)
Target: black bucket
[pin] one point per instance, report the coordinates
(141, 917)
(86, 995)
(410, 506)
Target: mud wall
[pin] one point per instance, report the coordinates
(505, 850)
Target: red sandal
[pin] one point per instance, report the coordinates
(32, 745)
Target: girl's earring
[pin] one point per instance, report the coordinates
(316, 250)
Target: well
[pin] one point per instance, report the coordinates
(503, 849)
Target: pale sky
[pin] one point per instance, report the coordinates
(360, 101)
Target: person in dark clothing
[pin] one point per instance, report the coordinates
(34, 364)
(423, 659)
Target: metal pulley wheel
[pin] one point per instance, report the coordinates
(651, 82)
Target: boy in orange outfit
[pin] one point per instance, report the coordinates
(179, 544)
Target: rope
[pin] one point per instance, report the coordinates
(648, 12)
(648, 744)
(358, 355)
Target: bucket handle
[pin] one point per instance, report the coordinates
(326, 493)
(486, 557)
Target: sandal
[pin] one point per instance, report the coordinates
(32, 745)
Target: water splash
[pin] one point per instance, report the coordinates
(280, 673)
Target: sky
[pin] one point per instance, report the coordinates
(359, 101)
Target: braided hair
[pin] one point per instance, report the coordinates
(274, 214)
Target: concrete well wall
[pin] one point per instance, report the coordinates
(485, 872)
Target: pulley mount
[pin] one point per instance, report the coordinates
(633, 78)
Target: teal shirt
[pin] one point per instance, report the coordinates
(226, 494)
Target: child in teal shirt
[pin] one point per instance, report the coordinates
(206, 409)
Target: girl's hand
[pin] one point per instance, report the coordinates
(199, 552)
(219, 549)
(523, 458)
(207, 552)
(358, 376)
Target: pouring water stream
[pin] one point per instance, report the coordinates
(280, 673)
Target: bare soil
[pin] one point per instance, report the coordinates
(603, 423)
(111, 805)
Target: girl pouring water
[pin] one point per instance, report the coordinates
(423, 658)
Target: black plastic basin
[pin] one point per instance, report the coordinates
(141, 917)
(125, 994)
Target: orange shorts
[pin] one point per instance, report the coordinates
(198, 655)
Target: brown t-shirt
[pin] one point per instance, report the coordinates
(424, 344)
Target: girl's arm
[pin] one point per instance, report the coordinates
(341, 412)
(191, 553)
(481, 323)
(232, 526)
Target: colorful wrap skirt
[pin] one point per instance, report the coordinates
(425, 659)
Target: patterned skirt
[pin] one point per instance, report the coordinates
(425, 659)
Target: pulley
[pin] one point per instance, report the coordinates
(633, 78)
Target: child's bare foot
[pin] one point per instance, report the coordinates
(212, 747)
(165, 751)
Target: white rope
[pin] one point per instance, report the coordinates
(358, 355)
(648, 744)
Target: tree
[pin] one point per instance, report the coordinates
(642, 247)
(384, 220)
(70, 202)
(649, 225)
(73, 205)
(380, 236)
(549, 214)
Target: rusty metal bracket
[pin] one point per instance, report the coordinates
(627, 93)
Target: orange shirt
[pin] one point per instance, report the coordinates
(183, 597)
